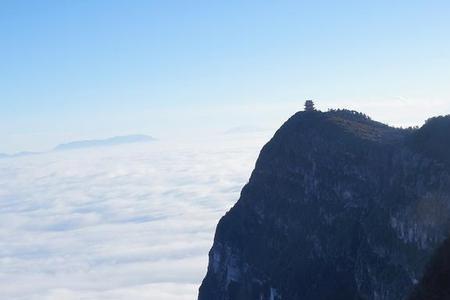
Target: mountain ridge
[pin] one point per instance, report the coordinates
(338, 207)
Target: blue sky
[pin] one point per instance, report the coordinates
(88, 69)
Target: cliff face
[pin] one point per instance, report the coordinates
(337, 207)
(435, 284)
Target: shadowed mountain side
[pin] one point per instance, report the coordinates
(338, 207)
(435, 284)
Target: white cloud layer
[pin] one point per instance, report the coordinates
(127, 222)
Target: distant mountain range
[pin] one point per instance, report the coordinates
(113, 141)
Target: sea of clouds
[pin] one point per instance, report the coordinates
(124, 222)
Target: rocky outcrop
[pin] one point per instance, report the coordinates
(337, 207)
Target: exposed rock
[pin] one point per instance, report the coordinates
(337, 207)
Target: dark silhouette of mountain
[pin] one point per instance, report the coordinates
(338, 207)
(433, 139)
(435, 284)
(118, 140)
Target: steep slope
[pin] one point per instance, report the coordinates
(337, 207)
(435, 284)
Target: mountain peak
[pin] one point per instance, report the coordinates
(433, 138)
(335, 203)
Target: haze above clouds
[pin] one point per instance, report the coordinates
(81, 70)
(126, 222)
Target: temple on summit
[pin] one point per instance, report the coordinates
(309, 105)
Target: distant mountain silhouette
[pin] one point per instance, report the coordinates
(18, 154)
(113, 141)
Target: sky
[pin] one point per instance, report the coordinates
(73, 70)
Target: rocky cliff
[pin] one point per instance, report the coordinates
(337, 207)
